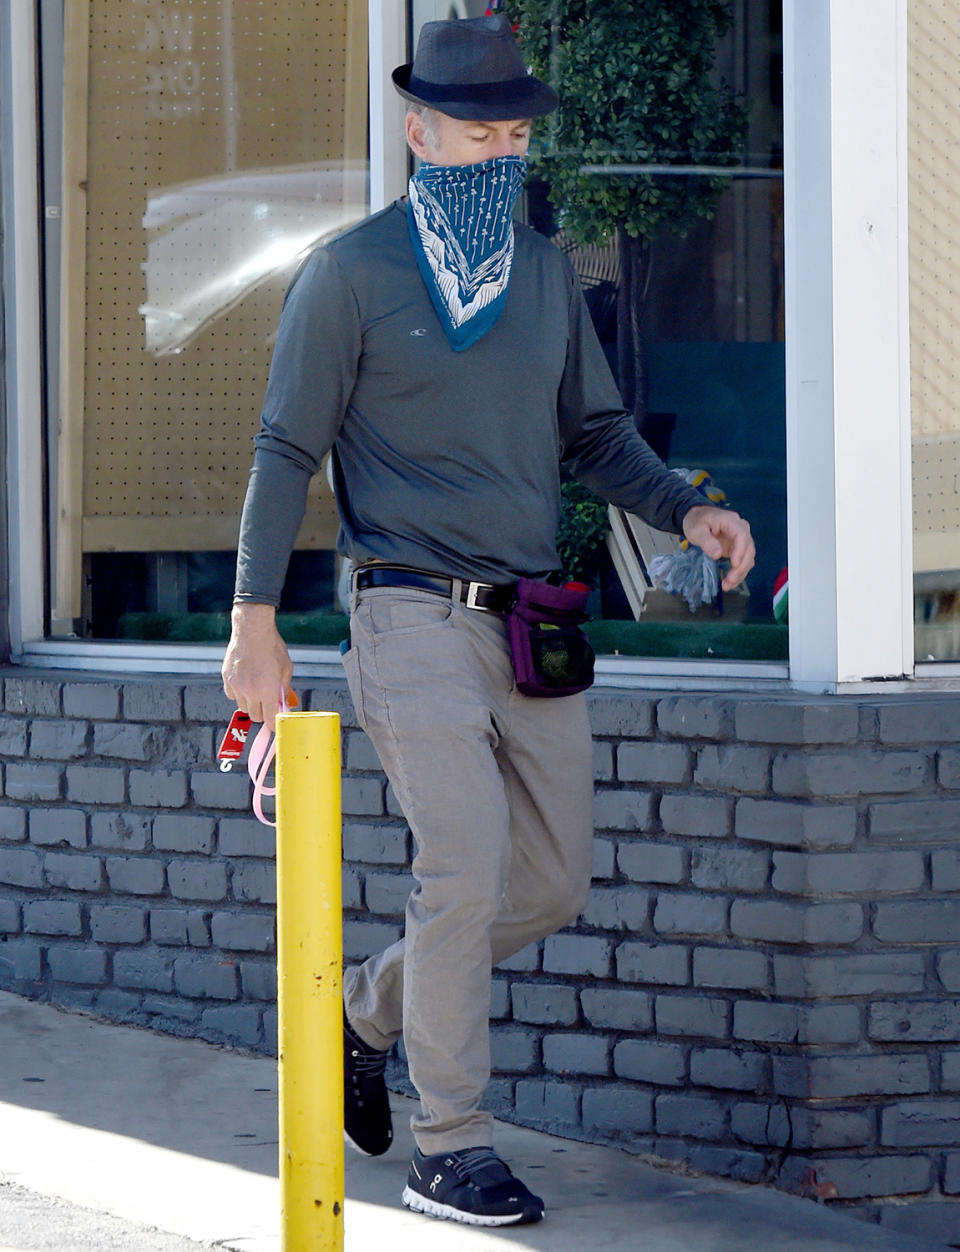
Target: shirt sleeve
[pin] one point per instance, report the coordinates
(600, 444)
(312, 376)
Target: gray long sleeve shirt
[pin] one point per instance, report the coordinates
(445, 461)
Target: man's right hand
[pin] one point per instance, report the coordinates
(257, 666)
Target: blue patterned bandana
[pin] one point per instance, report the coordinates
(461, 224)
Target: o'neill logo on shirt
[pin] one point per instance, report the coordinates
(417, 334)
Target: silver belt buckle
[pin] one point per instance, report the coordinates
(471, 600)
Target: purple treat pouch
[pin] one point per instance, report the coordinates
(551, 654)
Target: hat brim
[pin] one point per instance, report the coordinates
(480, 102)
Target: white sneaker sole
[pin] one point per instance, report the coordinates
(350, 1144)
(446, 1212)
(356, 1148)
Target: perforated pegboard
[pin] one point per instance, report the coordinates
(934, 208)
(203, 117)
(936, 502)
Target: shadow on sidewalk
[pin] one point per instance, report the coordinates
(182, 1135)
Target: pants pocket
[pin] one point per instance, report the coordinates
(397, 615)
(351, 666)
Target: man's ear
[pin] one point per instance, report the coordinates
(416, 135)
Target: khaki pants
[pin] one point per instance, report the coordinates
(497, 789)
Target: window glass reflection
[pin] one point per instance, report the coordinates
(933, 80)
(682, 267)
(209, 144)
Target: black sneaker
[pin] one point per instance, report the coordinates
(472, 1185)
(367, 1125)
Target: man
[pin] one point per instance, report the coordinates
(448, 361)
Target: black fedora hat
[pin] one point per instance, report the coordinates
(473, 69)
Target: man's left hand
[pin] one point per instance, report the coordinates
(722, 533)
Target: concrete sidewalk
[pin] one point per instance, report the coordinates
(179, 1136)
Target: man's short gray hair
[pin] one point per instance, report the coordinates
(428, 117)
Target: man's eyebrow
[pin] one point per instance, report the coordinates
(524, 121)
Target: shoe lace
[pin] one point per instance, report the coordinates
(368, 1064)
(470, 1161)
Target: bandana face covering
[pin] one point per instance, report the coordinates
(461, 224)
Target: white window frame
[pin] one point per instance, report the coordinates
(23, 364)
(847, 360)
(388, 148)
(849, 508)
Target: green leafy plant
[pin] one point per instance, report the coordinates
(581, 533)
(637, 86)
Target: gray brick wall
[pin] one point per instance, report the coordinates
(764, 983)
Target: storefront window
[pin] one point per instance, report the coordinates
(688, 302)
(934, 337)
(208, 144)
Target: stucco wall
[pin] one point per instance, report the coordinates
(765, 983)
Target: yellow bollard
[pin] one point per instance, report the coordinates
(309, 981)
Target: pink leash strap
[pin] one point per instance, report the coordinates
(259, 759)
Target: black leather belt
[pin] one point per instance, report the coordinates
(487, 597)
